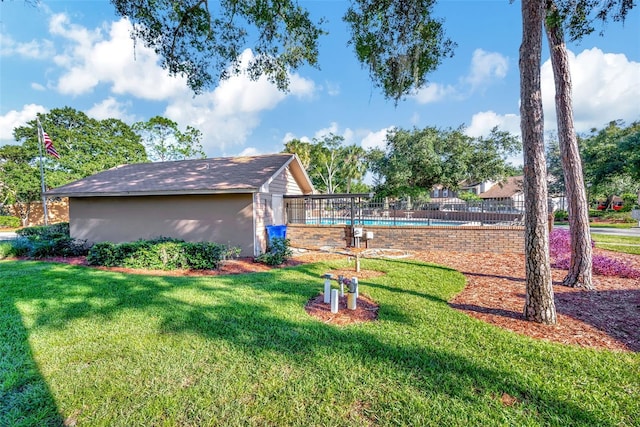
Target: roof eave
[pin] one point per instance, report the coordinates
(151, 193)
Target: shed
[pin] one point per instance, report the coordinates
(228, 200)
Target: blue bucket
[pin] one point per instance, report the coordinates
(276, 231)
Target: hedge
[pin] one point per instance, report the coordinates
(161, 254)
(9, 221)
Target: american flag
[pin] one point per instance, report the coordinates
(48, 145)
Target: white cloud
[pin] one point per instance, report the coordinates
(482, 123)
(14, 119)
(485, 68)
(250, 151)
(333, 89)
(331, 129)
(290, 136)
(34, 49)
(110, 108)
(227, 115)
(108, 57)
(434, 92)
(37, 86)
(376, 139)
(606, 87)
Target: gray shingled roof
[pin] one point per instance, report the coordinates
(204, 176)
(512, 186)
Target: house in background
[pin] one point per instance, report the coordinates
(444, 197)
(507, 195)
(227, 200)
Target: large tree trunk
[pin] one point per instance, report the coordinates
(580, 268)
(539, 304)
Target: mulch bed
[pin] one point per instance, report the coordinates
(606, 318)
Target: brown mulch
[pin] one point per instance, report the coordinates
(606, 318)
(366, 310)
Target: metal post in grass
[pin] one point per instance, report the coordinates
(354, 280)
(334, 301)
(352, 297)
(327, 288)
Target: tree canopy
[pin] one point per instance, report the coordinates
(399, 41)
(164, 141)
(612, 159)
(416, 160)
(332, 166)
(86, 146)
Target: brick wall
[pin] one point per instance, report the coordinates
(455, 239)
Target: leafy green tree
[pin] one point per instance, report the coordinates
(19, 184)
(164, 141)
(301, 149)
(353, 166)
(326, 162)
(612, 159)
(399, 41)
(469, 196)
(415, 161)
(332, 166)
(86, 146)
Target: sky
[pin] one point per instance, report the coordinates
(79, 54)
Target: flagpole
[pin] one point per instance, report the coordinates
(44, 198)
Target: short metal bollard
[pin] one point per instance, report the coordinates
(352, 297)
(327, 288)
(334, 301)
(354, 280)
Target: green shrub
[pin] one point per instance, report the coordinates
(278, 253)
(9, 222)
(21, 247)
(615, 217)
(629, 201)
(48, 241)
(45, 231)
(561, 215)
(206, 256)
(6, 249)
(161, 254)
(469, 196)
(105, 254)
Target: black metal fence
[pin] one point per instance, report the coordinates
(361, 209)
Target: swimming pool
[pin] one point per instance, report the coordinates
(390, 222)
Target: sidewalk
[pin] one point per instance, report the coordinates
(7, 235)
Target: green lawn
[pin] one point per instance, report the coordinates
(626, 244)
(109, 349)
(596, 225)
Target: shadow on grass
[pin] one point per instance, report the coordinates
(616, 313)
(248, 321)
(25, 398)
